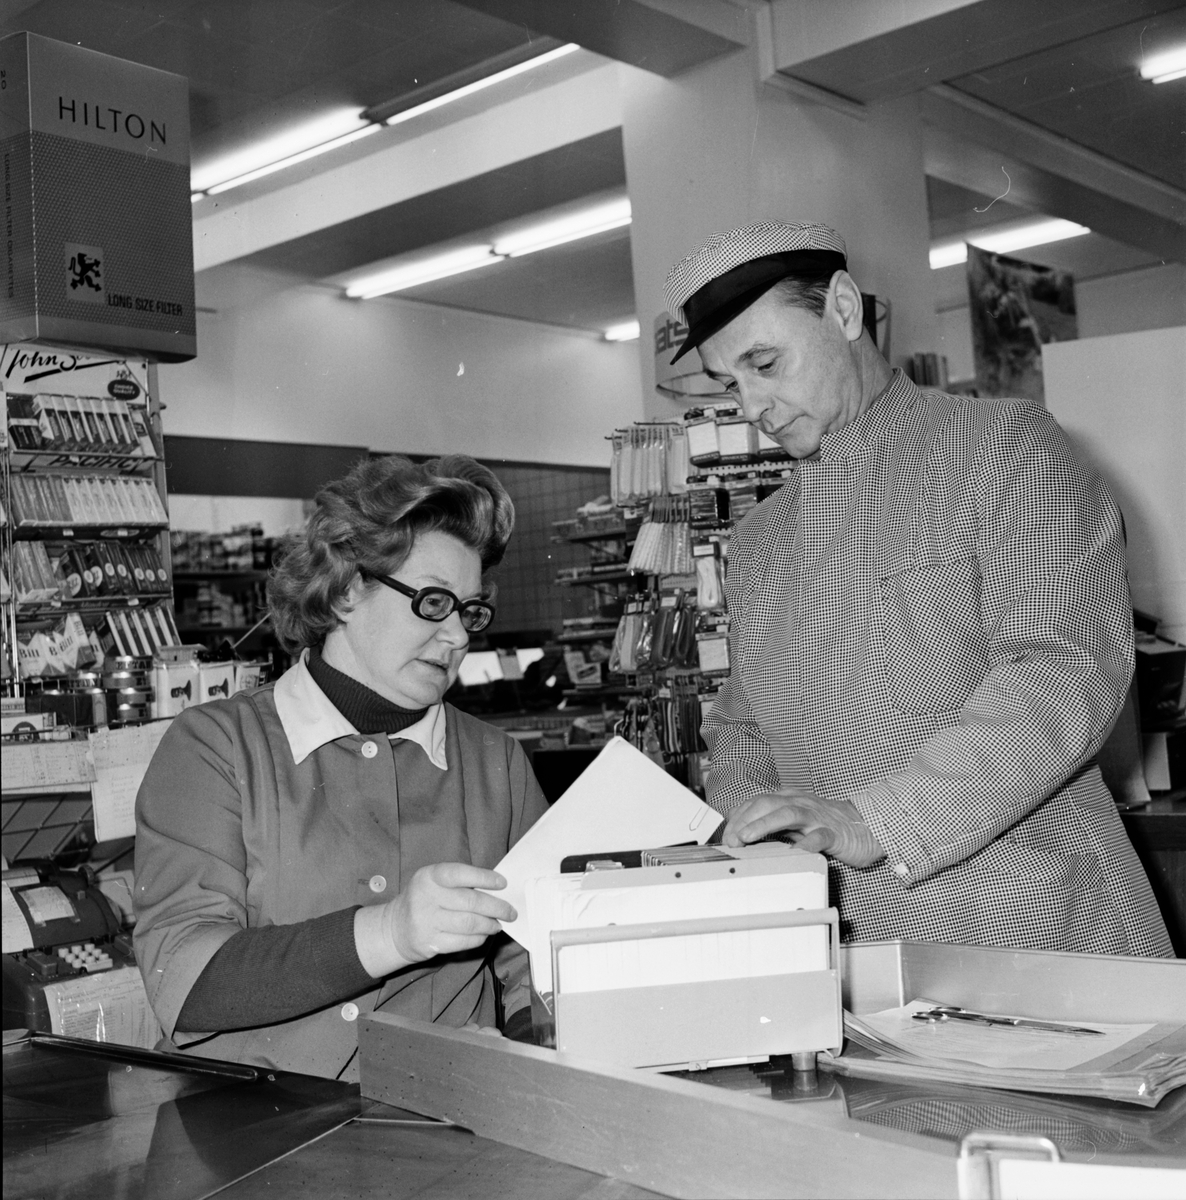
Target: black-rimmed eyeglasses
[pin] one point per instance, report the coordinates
(438, 603)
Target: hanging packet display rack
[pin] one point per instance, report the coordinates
(649, 459)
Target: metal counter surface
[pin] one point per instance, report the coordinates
(433, 1162)
(81, 1126)
(381, 1156)
(78, 1126)
(1082, 1128)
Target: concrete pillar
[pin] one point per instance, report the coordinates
(713, 148)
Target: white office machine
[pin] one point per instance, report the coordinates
(699, 956)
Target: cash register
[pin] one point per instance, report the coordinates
(59, 928)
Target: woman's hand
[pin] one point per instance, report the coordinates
(823, 826)
(439, 912)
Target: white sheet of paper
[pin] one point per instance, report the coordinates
(45, 764)
(16, 933)
(999, 1046)
(121, 757)
(622, 800)
(109, 1006)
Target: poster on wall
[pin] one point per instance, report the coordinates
(1016, 308)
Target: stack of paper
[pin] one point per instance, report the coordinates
(1138, 1063)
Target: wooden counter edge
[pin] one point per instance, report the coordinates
(673, 1136)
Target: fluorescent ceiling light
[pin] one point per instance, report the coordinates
(453, 262)
(565, 229)
(272, 154)
(1039, 233)
(1005, 241)
(409, 275)
(331, 131)
(950, 254)
(1161, 68)
(488, 81)
(293, 159)
(628, 331)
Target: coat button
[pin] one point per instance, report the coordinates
(901, 869)
(350, 1012)
(369, 749)
(377, 884)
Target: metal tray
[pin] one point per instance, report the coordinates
(1029, 983)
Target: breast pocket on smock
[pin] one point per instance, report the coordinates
(936, 650)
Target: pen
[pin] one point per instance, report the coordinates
(951, 1013)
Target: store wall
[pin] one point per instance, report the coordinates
(306, 365)
(1120, 400)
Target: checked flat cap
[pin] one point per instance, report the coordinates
(731, 270)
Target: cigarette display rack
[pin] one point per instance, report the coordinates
(85, 546)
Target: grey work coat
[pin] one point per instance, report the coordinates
(233, 833)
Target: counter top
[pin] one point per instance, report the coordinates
(376, 1156)
(77, 1126)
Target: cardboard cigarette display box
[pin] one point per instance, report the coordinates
(177, 686)
(98, 149)
(248, 676)
(216, 681)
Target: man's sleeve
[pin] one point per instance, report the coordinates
(1056, 611)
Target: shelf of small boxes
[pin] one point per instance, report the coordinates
(204, 564)
(84, 507)
(84, 573)
(78, 432)
(122, 690)
(608, 537)
(77, 468)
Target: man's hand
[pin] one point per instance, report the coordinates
(439, 912)
(824, 826)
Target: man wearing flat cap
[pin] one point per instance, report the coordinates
(931, 627)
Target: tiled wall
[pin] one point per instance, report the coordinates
(528, 597)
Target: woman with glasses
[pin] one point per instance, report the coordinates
(322, 847)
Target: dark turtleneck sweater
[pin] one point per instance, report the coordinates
(272, 973)
(367, 711)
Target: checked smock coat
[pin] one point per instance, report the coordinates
(932, 621)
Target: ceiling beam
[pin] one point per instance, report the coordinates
(527, 126)
(869, 50)
(522, 188)
(662, 36)
(980, 147)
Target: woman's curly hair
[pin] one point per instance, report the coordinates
(369, 521)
